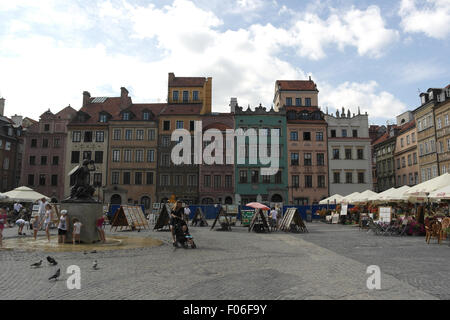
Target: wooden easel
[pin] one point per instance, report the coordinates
(225, 226)
(292, 221)
(264, 223)
(199, 217)
(130, 217)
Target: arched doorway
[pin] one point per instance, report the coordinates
(146, 202)
(207, 201)
(276, 198)
(228, 200)
(116, 199)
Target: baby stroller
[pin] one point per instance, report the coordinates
(182, 236)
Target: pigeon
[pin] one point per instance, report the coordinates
(52, 261)
(94, 251)
(94, 265)
(56, 275)
(37, 264)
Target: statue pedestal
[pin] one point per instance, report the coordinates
(87, 214)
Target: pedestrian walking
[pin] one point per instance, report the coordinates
(187, 213)
(100, 229)
(62, 226)
(3, 221)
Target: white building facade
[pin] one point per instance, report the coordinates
(349, 153)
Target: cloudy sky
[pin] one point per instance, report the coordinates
(372, 54)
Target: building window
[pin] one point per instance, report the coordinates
(6, 163)
(294, 136)
(265, 179)
(243, 176)
(336, 154)
(98, 157)
(88, 136)
(43, 160)
(179, 124)
(217, 181)
(103, 118)
(307, 136)
(294, 159)
(31, 179)
(360, 153)
(355, 133)
(46, 127)
(128, 134)
(166, 125)
(255, 176)
(307, 159)
(344, 133)
(145, 116)
(44, 143)
(55, 160)
(115, 177)
(298, 102)
(401, 142)
(348, 154)
(308, 102)
(321, 181)
(33, 143)
(333, 133)
(409, 160)
(126, 178)
(228, 181)
(126, 116)
(192, 180)
(195, 95)
(308, 181)
(207, 181)
(138, 178)
(175, 95)
(165, 160)
(139, 155)
(116, 156)
(295, 181)
(97, 180)
(75, 157)
(361, 177)
(185, 96)
(151, 155)
(336, 177)
(320, 159)
(348, 177)
(127, 155)
(42, 179)
(413, 137)
(164, 180)
(191, 125)
(278, 177)
(56, 143)
(288, 101)
(151, 134)
(139, 134)
(99, 136)
(319, 136)
(32, 160)
(117, 134)
(87, 155)
(54, 179)
(149, 179)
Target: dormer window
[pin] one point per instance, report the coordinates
(146, 115)
(103, 118)
(126, 116)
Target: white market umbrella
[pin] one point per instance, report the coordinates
(443, 193)
(2, 196)
(350, 197)
(380, 196)
(24, 194)
(363, 196)
(397, 195)
(330, 200)
(423, 189)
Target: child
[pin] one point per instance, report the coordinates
(62, 227)
(182, 234)
(35, 226)
(47, 220)
(76, 231)
(100, 222)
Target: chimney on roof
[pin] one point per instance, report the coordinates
(124, 103)
(86, 97)
(2, 106)
(171, 77)
(18, 120)
(233, 104)
(309, 78)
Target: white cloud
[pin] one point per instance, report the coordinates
(363, 29)
(431, 18)
(366, 95)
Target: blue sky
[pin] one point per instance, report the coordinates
(371, 54)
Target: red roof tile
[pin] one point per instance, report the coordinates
(297, 85)
(181, 109)
(187, 82)
(110, 105)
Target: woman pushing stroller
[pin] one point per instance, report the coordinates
(179, 228)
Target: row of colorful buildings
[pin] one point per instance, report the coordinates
(320, 154)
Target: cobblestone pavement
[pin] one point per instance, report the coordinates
(330, 262)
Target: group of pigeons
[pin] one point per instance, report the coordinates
(53, 262)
